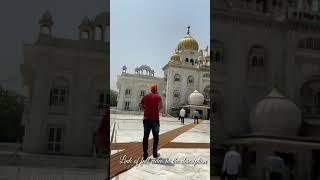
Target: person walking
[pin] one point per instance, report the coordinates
(275, 166)
(196, 116)
(231, 164)
(151, 104)
(182, 114)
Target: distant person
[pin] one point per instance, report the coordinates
(151, 103)
(231, 164)
(275, 166)
(182, 115)
(196, 116)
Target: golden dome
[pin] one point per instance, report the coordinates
(188, 43)
(175, 57)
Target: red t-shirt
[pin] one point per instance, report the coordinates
(102, 131)
(150, 103)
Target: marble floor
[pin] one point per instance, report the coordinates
(129, 128)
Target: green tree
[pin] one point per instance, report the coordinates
(113, 98)
(11, 110)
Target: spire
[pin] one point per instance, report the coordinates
(46, 23)
(188, 32)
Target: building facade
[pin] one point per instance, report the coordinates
(132, 87)
(66, 84)
(257, 44)
(187, 70)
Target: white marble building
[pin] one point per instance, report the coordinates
(132, 87)
(186, 71)
(66, 81)
(257, 44)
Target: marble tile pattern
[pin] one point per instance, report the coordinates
(129, 128)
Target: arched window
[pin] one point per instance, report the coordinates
(190, 81)
(206, 75)
(206, 92)
(55, 141)
(59, 95)
(218, 51)
(256, 63)
(176, 97)
(142, 93)
(176, 93)
(177, 78)
(256, 56)
(127, 92)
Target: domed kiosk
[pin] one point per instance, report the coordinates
(196, 98)
(275, 123)
(196, 101)
(275, 115)
(175, 58)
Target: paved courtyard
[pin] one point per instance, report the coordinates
(129, 128)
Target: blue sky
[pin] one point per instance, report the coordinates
(147, 31)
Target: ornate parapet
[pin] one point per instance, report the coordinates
(144, 70)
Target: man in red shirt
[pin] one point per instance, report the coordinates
(151, 103)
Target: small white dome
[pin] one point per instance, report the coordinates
(275, 115)
(196, 98)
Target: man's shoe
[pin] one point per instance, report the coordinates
(145, 157)
(157, 155)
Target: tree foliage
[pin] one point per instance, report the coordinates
(113, 98)
(11, 110)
